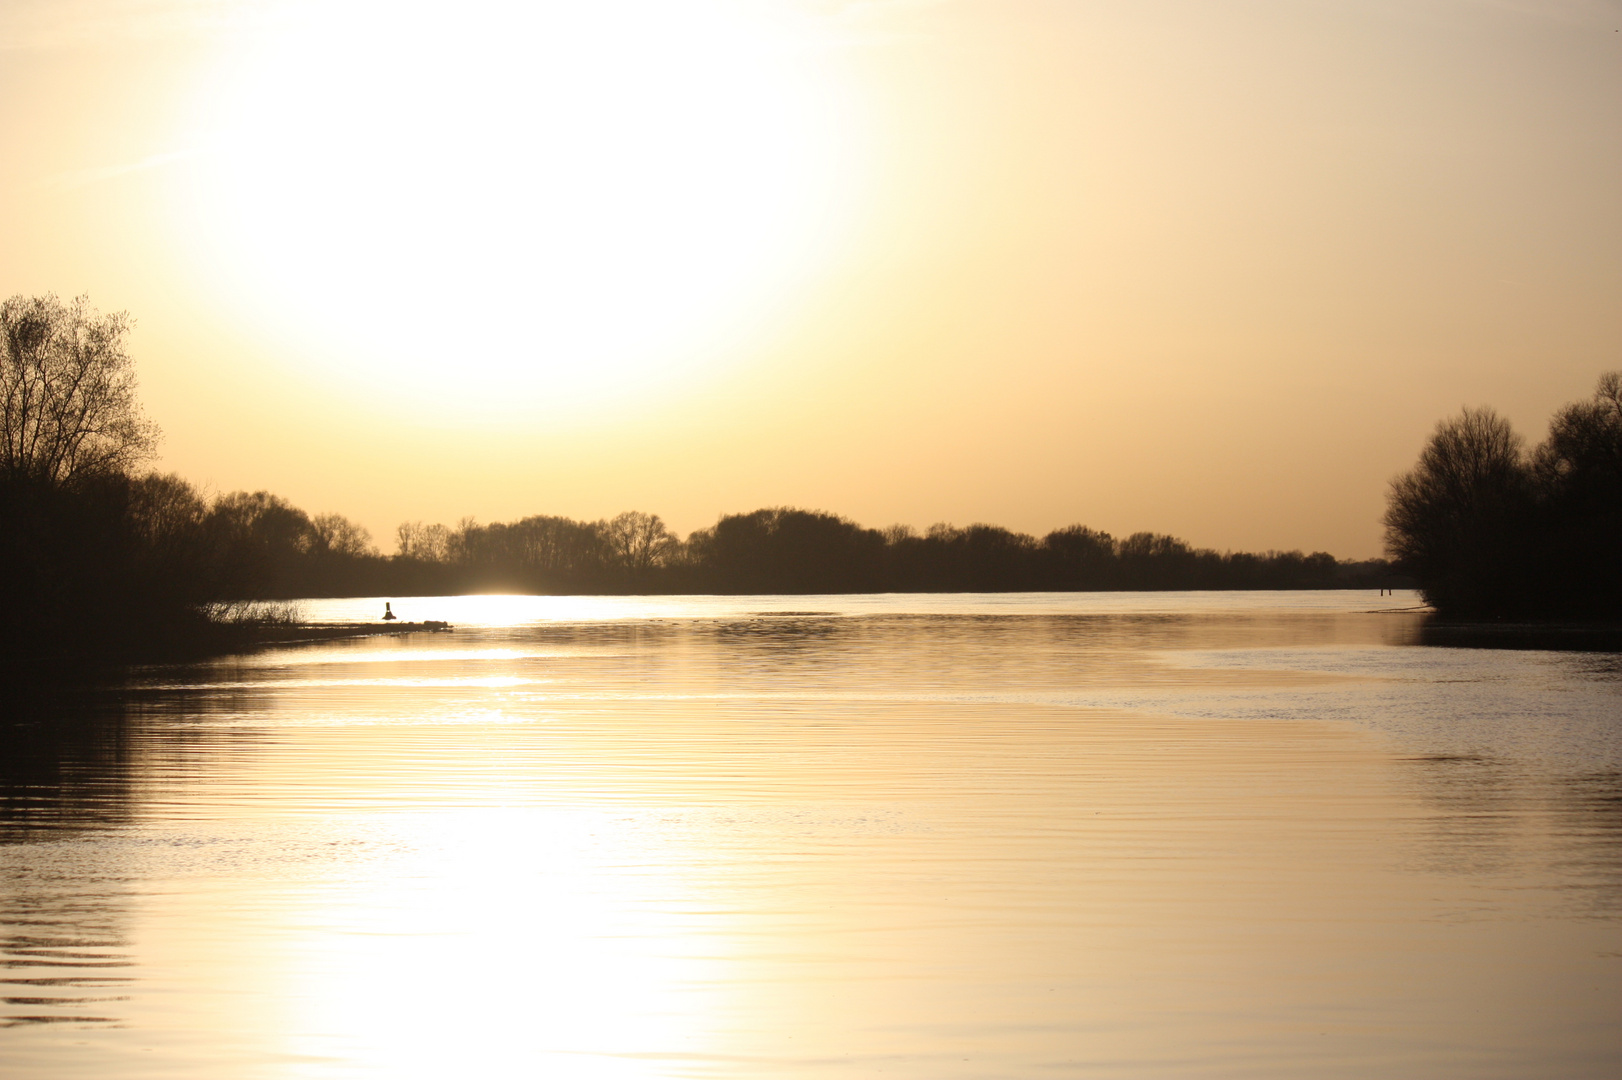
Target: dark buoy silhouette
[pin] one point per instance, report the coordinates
(387, 612)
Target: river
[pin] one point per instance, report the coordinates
(932, 837)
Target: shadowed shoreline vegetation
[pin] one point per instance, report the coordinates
(104, 563)
(145, 568)
(774, 550)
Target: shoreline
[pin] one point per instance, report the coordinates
(305, 633)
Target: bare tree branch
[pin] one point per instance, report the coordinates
(67, 392)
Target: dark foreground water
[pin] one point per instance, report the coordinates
(1153, 835)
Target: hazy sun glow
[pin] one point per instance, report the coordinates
(1207, 270)
(522, 206)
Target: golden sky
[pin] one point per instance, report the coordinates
(1206, 268)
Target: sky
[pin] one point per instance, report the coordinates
(1213, 269)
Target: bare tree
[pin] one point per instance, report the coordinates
(67, 392)
(1461, 519)
(637, 542)
(1470, 472)
(261, 539)
(337, 535)
(428, 543)
(165, 510)
(1582, 459)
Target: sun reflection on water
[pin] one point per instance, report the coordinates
(504, 942)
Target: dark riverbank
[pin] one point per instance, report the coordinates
(28, 680)
(1554, 636)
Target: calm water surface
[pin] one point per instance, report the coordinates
(1106, 835)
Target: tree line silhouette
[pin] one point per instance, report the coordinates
(1491, 530)
(101, 559)
(790, 550)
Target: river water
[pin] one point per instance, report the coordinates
(1044, 835)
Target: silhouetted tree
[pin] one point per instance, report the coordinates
(790, 551)
(1459, 520)
(67, 393)
(334, 534)
(260, 540)
(429, 543)
(1156, 561)
(1579, 479)
(1079, 558)
(541, 553)
(980, 558)
(637, 544)
(167, 517)
(1582, 459)
(561, 552)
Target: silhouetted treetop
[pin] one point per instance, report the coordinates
(67, 392)
(1583, 454)
(1470, 475)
